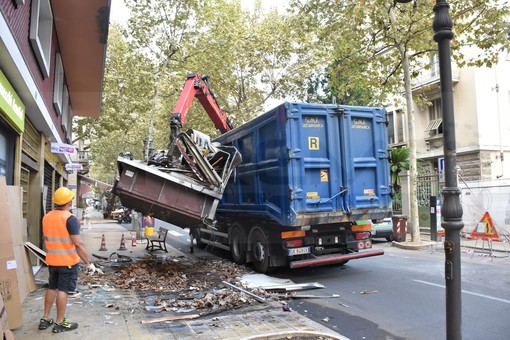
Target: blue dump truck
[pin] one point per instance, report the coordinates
(283, 189)
(308, 171)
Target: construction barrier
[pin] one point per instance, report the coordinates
(103, 244)
(122, 243)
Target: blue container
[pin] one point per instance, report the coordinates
(310, 164)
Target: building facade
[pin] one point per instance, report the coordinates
(482, 129)
(482, 117)
(52, 55)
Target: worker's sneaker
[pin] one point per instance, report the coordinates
(64, 326)
(45, 323)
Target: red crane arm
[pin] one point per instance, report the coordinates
(198, 86)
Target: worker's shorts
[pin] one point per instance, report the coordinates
(63, 278)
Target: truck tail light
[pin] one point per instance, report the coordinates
(362, 236)
(293, 243)
(368, 244)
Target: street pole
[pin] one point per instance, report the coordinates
(148, 145)
(452, 209)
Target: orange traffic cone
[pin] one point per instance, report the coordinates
(103, 244)
(122, 244)
(133, 240)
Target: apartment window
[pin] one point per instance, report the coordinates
(435, 126)
(41, 26)
(395, 127)
(70, 124)
(58, 85)
(434, 65)
(65, 109)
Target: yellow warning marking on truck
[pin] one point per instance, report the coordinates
(313, 143)
(362, 227)
(293, 234)
(312, 195)
(324, 175)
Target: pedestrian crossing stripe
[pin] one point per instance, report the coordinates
(485, 229)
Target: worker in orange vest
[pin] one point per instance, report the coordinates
(64, 249)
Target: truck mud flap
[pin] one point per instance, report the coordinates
(335, 258)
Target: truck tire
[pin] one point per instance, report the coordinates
(260, 252)
(237, 244)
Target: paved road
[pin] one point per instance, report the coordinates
(405, 296)
(400, 295)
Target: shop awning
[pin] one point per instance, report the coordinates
(94, 182)
(84, 189)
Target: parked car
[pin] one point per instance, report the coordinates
(383, 229)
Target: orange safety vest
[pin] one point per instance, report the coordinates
(60, 250)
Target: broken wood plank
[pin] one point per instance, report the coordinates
(171, 318)
(250, 294)
(41, 254)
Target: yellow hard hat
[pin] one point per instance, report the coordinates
(62, 196)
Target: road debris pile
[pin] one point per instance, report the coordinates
(180, 285)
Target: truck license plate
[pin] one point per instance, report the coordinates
(299, 251)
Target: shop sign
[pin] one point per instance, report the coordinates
(74, 166)
(11, 104)
(63, 148)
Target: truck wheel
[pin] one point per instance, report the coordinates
(237, 245)
(260, 252)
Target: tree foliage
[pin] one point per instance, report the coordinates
(250, 56)
(399, 162)
(318, 50)
(363, 39)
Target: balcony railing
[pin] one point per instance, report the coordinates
(83, 156)
(430, 76)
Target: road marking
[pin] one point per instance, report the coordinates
(465, 292)
(175, 233)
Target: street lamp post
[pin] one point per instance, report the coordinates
(451, 209)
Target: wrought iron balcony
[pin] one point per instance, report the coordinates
(430, 77)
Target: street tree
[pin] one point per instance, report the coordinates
(250, 56)
(381, 45)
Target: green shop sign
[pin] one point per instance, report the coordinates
(11, 104)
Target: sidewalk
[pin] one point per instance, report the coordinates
(114, 313)
(471, 246)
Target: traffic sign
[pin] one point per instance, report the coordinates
(485, 229)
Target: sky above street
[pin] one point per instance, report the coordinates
(120, 13)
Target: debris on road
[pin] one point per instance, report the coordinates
(299, 296)
(256, 297)
(368, 292)
(269, 283)
(179, 284)
(171, 318)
